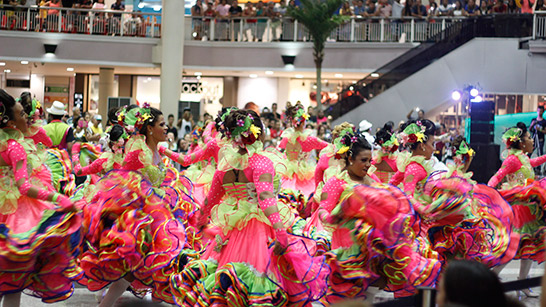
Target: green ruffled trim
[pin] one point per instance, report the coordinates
(230, 158)
(9, 193)
(154, 173)
(404, 160)
(111, 158)
(292, 135)
(526, 168)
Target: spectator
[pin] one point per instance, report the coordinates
(98, 5)
(322, 132)
(384, 9)
(458, 9)
(133, 25)
(222, 22)
(116, 18)
(445, 8)
(540, 6)
(235, 13)
(61, 134)
(250, 24)
(171, 127)
(406, 12)
(432, 9)
(321, 118)
(73, 120)
(420, 114)
(471, 9)
(185, 124)
(262, 22)
(512, 7)
(252, 106)
(359, 8)
(117, 6)
(484, 9)
(209, 14)
(94, 129)
(418, 10)
(345, 9)
(471, 284)
(274, 115)
(527, 7)
(370, 9)
(274, 19)
(500, 7)
(197, 20)
(276, 129)
(281, 10)
(397, 9)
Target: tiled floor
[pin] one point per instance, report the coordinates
(84, 298)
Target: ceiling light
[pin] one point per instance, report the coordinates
(253, 76)
(2, 64)
(299, 76)
(157, 8)
(141, 5)
(354, 81)
(70, 69)
(456, 95)
(374, 75)
(197, 73)
(149, 78)
(338, 75)
(268, 72)
(7, 70)
(24, 62)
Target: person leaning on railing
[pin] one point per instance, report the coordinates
(197, 19)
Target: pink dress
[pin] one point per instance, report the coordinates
(238, 266)
(39, 242)
(299, 169)
(458, 218)
(528, 200)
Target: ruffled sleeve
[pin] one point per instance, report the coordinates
(511, 165)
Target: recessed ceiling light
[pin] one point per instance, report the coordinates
(7, 70)
(354, 81)
(253, 76)
(70, 69)
(149, 78)
(157, 8)
(2, 64)
(24, 62)
(338, 75)
(374, 75)
(197, 73)
(268, 72)
(299, 76)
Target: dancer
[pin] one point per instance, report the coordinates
(240, 266)
(384, 161)
(133, 236)
(40, 240)
(458, 219)
(526, 196)
(298, 143)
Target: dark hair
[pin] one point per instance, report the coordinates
(472, 284)
(26, 101)
(170, 116)
(541, 107)
(355, 148)
(116, 132)
(230, 123)
(389, 126)
(457, 142)
(383, 135)
(6, 109)
(155, 113)
(218, 120)
(112, 115)
(430, 130)
(523, 127)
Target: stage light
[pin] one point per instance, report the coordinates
(477, 99)
(456, 95)
(474, 92)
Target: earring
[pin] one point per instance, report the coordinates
(151, 133)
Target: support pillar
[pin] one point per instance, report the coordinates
(106, 89)
(172, 51)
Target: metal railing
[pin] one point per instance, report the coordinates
(539, 25)
(356, 29)
(80, 21)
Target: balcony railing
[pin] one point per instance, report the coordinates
(258, 29)
(356, 29)
(80, 21)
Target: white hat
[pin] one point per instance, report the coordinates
(364, 125)
(98, 117)
(57, 108)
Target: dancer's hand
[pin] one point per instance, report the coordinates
(162, 150)
(65, 203)
(281, 242)
(278, 249)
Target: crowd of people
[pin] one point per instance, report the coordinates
(267, 208)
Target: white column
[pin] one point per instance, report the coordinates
(172, 51)
(106, 89)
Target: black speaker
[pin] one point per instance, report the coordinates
(486, 162)
(482, 116)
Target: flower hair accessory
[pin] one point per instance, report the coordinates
(512, 136)
(300, 117)
(414, 133)
(464, 150)
(117, 147)
(344, 141)
(390, 145)
(245, 133)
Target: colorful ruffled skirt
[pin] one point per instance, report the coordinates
(238, 267)
(375, 243)
(132, 233)
(201, 178)
(58, 163)
(39, 245)
(463, 220)
(528, 204)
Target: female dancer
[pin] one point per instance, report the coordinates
(325, 157)
(298, 143)
(384, 161)
(133, 236)
(458, 219)
(238, 267)
(39, 240)
(526, 196)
